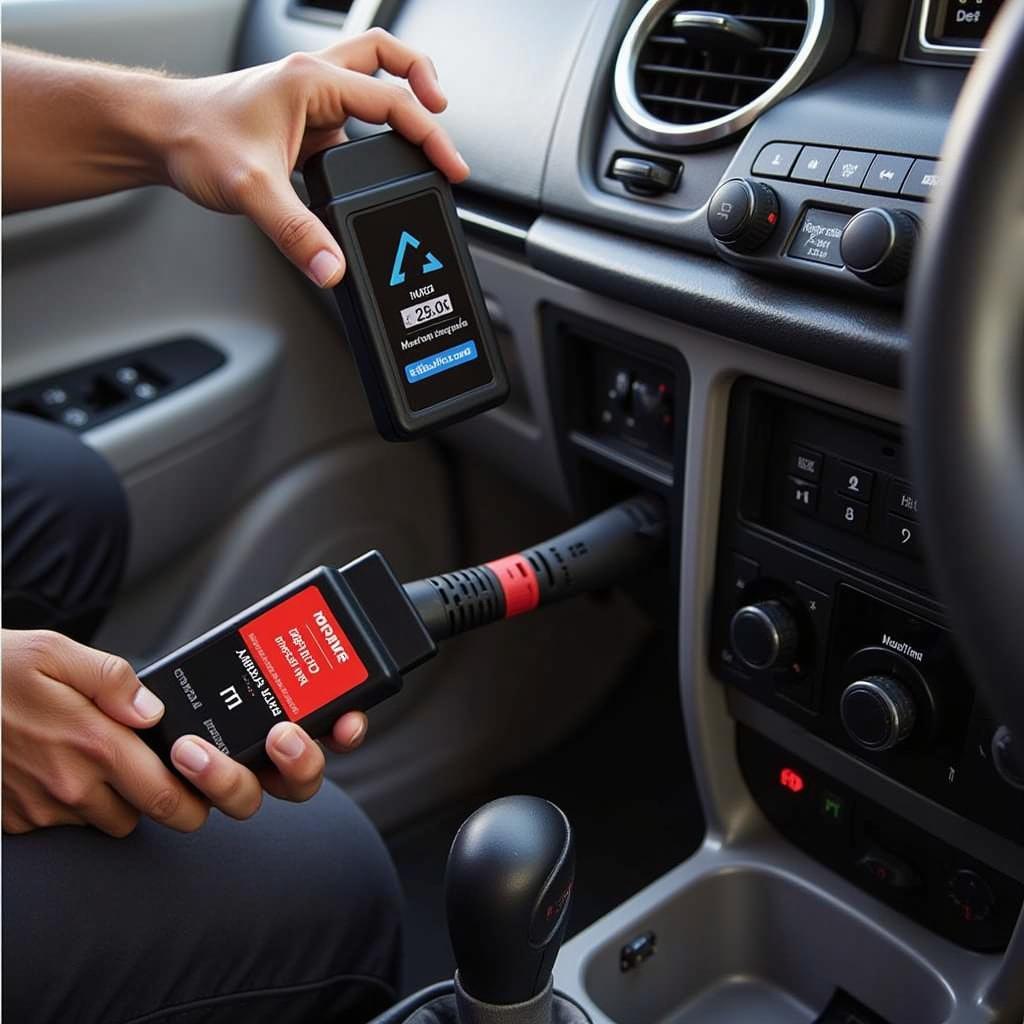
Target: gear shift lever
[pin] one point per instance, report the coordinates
(508, 886)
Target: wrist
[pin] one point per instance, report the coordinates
(150, 123)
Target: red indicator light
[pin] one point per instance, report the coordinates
(772, 218)
(793, 781)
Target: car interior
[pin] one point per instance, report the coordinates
(759, 259)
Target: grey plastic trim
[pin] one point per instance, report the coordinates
(492, 224)
(954, 978)
(664, 133)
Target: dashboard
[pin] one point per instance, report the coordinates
(694, 225)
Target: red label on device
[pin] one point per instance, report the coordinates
(304, 654)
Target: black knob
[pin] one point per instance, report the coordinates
(743, 213)
(764, 635)
(878, 712)
(971, 895)
(1008, 757)
(877, 244)
(508, 884)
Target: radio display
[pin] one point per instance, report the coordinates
(961, 23)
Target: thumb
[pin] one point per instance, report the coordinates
(298, 233)
(108, 681)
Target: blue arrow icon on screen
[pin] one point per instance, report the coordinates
(406, 242)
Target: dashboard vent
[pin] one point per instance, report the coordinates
(331, 11)
(688, 77)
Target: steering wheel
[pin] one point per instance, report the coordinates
(966, 372)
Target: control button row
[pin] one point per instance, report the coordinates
(846, 502)
(886, 173)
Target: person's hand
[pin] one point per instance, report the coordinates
(71, 756)
(234, 139)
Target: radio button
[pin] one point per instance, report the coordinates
(901, 535)
(775, 159)
(813, 164)
(805, 462)
(802, 496)
(847, 514)
(902, 499)
(850, 168)
(922, 180)
(855, 482)
(887, 173)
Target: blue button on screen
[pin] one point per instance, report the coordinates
(441, 361)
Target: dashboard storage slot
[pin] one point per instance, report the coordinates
(749, 944)
(621, 401)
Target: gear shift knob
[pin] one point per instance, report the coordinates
(508, 885)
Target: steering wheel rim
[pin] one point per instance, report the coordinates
(966, 372)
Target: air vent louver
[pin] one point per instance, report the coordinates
(679, 87)
(321, 10)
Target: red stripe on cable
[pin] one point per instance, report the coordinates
(518, 584)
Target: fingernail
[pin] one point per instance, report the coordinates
(357, 734)
(323, 266)
(289, 743)
(147, 703)
(191, 755)
(462, 161)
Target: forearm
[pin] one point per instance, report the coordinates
(72, 130)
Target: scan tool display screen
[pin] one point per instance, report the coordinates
(422, 299)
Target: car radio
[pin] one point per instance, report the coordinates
(823, 610)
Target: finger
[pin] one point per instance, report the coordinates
(378, 49)
(230, 786)
(108, 811)
(297, 232)
(135, 772)
(299, 761)
(107, 680)
(348, 733)
(43, 812)
(318, 139)
(350, 93)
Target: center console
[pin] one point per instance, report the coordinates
(823, 615)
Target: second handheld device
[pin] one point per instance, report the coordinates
(410, 299)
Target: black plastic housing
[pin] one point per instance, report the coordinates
(220, 685)
(371, 175)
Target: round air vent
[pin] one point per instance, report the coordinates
(687, 76)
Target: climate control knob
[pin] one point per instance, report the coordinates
(764, 635)
(743, 213)
(878, 712)
(877, 244)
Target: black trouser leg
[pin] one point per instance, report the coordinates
(291, 917)
(65, 529)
